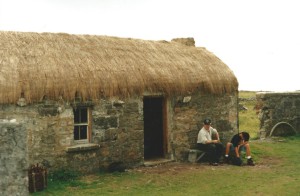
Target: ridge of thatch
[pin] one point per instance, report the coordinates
(55, 64)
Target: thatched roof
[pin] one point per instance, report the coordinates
(38, 64)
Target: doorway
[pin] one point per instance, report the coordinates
(154, 135)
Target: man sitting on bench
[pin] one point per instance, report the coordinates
(213, 147)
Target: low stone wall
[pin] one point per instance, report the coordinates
(279, 113)
(13, 159)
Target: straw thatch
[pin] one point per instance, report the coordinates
(37, 64)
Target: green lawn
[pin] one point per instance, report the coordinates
(277, 172)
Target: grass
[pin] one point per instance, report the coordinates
(248, 120)
(277, 172)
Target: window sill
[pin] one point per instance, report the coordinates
(82, 147)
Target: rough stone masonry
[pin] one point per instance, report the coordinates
(13, 159)
(279, 113)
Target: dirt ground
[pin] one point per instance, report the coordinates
(178, 167)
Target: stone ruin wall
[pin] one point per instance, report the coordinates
(14, 159)
(278, 109)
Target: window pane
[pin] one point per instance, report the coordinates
(80, 123)
(83, 115)
(83, 132)
(76, 115)
(76, 133)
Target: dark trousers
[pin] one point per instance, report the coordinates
(214, 151)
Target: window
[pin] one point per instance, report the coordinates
(81, 124)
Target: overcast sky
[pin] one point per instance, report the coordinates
(258, 39)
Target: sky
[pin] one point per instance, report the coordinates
(258, 39)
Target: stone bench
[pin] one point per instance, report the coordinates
(195, 155)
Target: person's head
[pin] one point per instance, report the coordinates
(207, 123)
(244, 135)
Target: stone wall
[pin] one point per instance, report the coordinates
(14, 158)
(117, 134)
(49, 133)
(189, 115)
(279, 113)
(117, 129)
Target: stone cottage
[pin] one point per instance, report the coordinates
(88, 101)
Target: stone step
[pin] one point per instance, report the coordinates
(154, 162)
